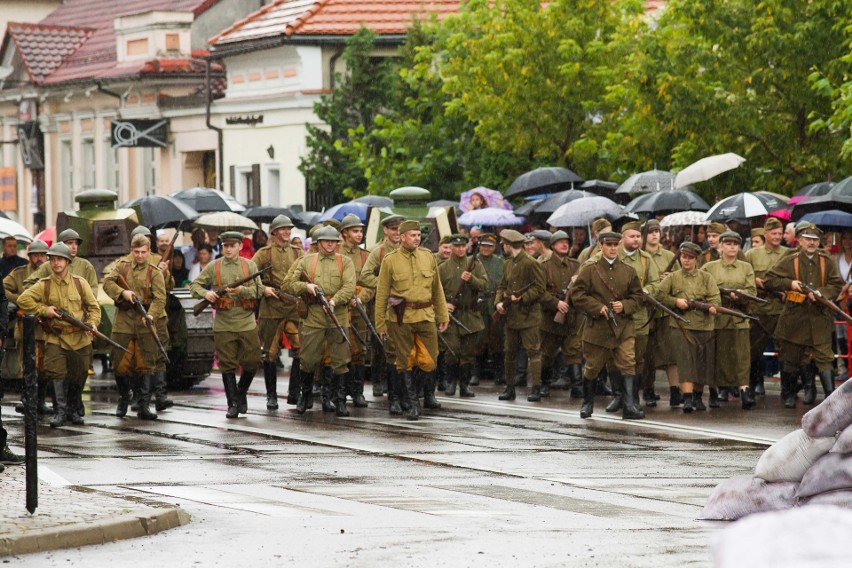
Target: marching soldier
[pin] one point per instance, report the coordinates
(352, 232)
(129, 329)
(462, 279)
(491, 347)
(445, 249)
(234, 328)
(804, 327)
(693, 345)
(599, 226)
(732, 333)
(334, 275)
(560, 271)
(517, 298)
(68, 349)
(609, 292)
(714, 245)
(278, 316)
(409, 302)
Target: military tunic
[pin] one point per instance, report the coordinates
(659, 353)
(805, 328)
(277, 316)
(79, 266)
(492, 340)
(14, 287)
(467, 311)
(358, 256)
(566, 336)
(762, 260)
(369, 278)
(712, 254)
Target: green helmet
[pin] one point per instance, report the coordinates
(59, 249)
(350, 221)
(69, 235)
(326, 234)
(140, 230)
(281, 221)
(37, 246)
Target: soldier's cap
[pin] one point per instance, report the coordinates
(717, 228)
(559, 236)
(772, 223)
(314, 229)
(600, 224)
(392, 220)
(332, 223)
(459, 239)
(808, 230)
(350, 221)
(488, 239)
(60, 250)
(327, 233)
(408, 225)
(758, 232)
(231, 236)
(446, 239)
(511, 236)
(632, 226)
(690, 248)
(37, 246)
(731, 236)
(609, 236)
(280, 222)
(652, 225)
(140, 230)
(542, 235)
(69, 235)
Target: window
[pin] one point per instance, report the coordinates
(111, 166)
(87, 164)
(245, 184)
(273, 186)
(149, 171)
(66, 176)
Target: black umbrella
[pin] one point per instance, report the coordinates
(744, 205)
(207, 200)
(160, 211)
(266, 213)
(528, 208)
(553, 202)
(816, 189)
(643, 182)
(543, 180)
(306, 219)
(665, 201)
(375, 200)
(838, 197)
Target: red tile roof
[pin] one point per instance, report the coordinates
(43, 48)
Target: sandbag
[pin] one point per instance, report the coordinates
(842, 498)
(790, 457)
(830, 473)
(806, 537)
(743, 495)
(832, 415)
(843, 445)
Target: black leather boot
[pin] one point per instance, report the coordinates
(123, 385)
(588, 406)
(499, 370)
(327, 390)
(688, 406)
(135, 389)
(558, 376)
(306, 396)
(601, 388)
(546, 378)
(294, 385)
(356, 385)
(474, 374)
(229, 380)
(340, 388)
(575, 373)
(535, 394)
(675, 397)
(394, 391)
(617, 402)
(827, 380)
(520, 369)
(465, 380)
(442, 372)
(429, 400)
(650, 397)
(725, 394)
(451, 377)
(42, 408)
(74, 412)
(714, 397)
(270, 380)
(161, 394)
(788, 389)
(246, 378)
(508, 393)
(379, 377)
(747, 398)
(61, 406)
(632, 410)
(809, 381)
(146, 387)
(411, 393)
(697, 403)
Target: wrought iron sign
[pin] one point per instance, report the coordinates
(139, 133)
(31, 143)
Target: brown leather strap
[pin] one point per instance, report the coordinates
(418, 305)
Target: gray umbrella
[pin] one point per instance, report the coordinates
(643, 182)
(581, 212)
(660, 201)
(528, 208)
(375, 200)
(553, 202)
(543, 180)
(205, 199)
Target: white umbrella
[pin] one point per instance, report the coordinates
(224, 221)
(684, 218)
(583, 211)
(490, 216)
(706, 168)
(14, 229)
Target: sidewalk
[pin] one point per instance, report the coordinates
(69, 517)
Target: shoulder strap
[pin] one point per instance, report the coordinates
(217, 264)
(821, 271)
(340, 264)
(644, 262)
(615, 294)
(148, 277)
(269, 256)
(796, 268)
(314, 266)
(47, 291)
(126, 270)
(78, 285)
(244, 264)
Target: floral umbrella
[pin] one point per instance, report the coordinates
(492, 198)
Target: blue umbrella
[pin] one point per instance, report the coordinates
(832, 219)
(342, 210)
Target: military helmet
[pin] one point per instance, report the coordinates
(280, 222)
(327, 233)
(559, 236)
(350, 221)
(37, 246)
(69, 235)
(59, 249)
(140, 230)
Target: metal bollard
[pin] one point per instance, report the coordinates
(30, 399)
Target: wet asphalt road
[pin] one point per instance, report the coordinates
(477, 483)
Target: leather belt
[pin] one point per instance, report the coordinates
(417, 305)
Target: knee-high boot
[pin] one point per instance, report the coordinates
(827, 380)
(588, 397)
(429, 400)
(575, 375)
(617, 401)
(465, 380)
(294, 385)
(809, 381)
(327, 390)
(601, 388)
(339, 387)
(788, 389)
(74, 413)
(162, 400)
(242, 388)
(394, 391)
(356, 386)
(42, 408)
(451, 375)
(270, 379)
(229, 380)
(146, 386)
(546, 379)
(411, 393)
(632, 410)
(61, 406)
(123, 385)
(442, 372)
(306, 396)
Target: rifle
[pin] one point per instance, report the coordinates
(149, 323)
(470, 266)
(68, 318)
(167, 254)
(320, 295)
(559, 317)
(671, 264)
(705, 307)
(359, 306)
(282, 295)
(743, 295)
(447, 345)
(823, 301)
(657, 304)
(456, 321)
(200, 306)
(507, 296)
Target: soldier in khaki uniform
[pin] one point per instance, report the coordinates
(352, 233)
(518, 299)
(714, 251)
(79, 266)
(277, 316)
(762, 260)
(598, 226)
(68, 349)
(609, 292)
(462, 279)
(334, 274)
(409, 302)
(732, 333)
(234, 329)
(560, 271)
(146, 283)
(445, 249)
(383, 372)
(694, 349)
(490, 349)
(804, 327)
(14, 286)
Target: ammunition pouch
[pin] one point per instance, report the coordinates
(224, 304)
(794, 297)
